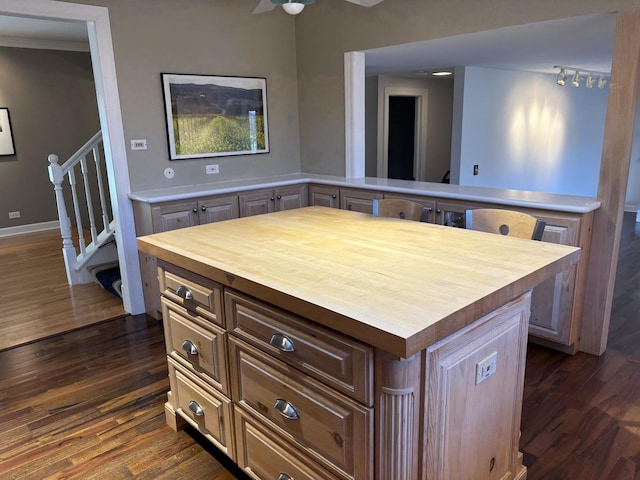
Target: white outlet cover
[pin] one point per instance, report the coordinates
(169, 173)
(139, 144)
(486, 367)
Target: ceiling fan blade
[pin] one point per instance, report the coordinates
(264, 6)
(365, 3)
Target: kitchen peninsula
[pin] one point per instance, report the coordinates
(322, 343)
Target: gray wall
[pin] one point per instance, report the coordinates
(212, 37)
(320, 56)
(52, 103)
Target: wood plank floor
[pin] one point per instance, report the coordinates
(89, 404)
(35, 300)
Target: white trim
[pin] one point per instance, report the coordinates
(354, 89)
(101, 47)
(420, 138)
(31, 228)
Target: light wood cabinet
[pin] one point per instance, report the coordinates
(358, 200)
(324, 196)
(290, 409)
(166, 216)
(258, 202)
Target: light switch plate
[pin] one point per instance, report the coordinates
(140, 144)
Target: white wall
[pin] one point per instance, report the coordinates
(525, 132)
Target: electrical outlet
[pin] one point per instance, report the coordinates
(211, 169)
(14, 214)
(486, 367)
(140, 144)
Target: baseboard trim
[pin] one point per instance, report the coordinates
(31, 228)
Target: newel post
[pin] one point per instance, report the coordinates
(56, 175)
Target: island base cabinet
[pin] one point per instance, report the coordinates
(436, 421)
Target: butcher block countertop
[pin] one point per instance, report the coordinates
(395, 284)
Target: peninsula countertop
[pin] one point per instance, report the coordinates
(394, 284)
(498, 196)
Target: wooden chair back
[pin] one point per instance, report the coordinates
(398, 208)
(505, 222)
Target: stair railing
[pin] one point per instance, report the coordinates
(76, 165)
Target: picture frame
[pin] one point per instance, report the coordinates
(7, 146)
(215, 116)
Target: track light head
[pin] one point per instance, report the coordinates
(591, 80)
(575, 81)
(602, 81)
(562, 77)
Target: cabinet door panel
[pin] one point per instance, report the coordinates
(551, 301)
(323, 196)
(256, 203)
(218, 209)
(171, 216)
(289, 198)
(358, 200)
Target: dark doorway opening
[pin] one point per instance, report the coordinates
(401, 140)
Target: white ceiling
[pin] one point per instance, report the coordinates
(37, 33)
(585, 42)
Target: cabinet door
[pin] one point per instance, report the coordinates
(288, 198)
(256, 202)
(173, 215)
(323, 196)
(217, 209)
(552, 301)
(358, 200)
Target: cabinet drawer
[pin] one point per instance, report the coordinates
(202, 406)
(263, 454)
(338, 361)
(193, 292)
(199, 342)
(331, 426)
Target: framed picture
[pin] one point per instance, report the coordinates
(6, 137)
(215, 116)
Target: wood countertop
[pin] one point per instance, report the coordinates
(394, 284)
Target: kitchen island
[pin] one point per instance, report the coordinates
(324, 343)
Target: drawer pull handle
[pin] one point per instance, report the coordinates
(284, 476)
(285, 409)
(189, 347)
(282, 343)
(184, 292)
(195, 408)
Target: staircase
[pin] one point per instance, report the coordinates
(85, 173)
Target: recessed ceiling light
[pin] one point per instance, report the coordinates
(441, 74)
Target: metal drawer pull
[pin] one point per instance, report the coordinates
(285, 409)
(195, 408)
(184, 292)
(189, 347)
(282, 343)
(284, 476)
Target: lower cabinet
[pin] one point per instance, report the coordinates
(258, 202)
(286, 398)
(358, 200)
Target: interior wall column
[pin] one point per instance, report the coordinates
(612, 185)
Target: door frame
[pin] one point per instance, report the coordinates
(102, 57)
(420, 137)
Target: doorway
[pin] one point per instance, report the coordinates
(402, 137)
(97, 20)
(401, 154)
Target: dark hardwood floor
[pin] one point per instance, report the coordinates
(89, 403)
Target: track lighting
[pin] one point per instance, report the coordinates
(576, 79)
